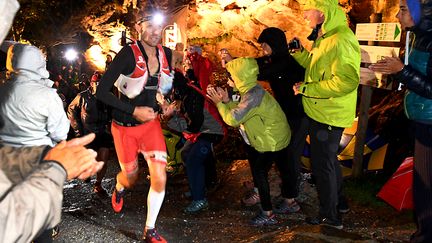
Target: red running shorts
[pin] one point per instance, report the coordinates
(146, 138)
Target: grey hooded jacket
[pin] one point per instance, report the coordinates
(30, 193)
(33, 113)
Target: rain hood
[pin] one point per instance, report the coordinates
(244, 72)
(276, 39)
(27, 62)
(334, 15)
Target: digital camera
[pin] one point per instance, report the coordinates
(294, 44)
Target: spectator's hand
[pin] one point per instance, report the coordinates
(163, 103)
(214, 96)
(144, 114)
(295, 44)
(225, 56)
(170, 110)
(78, 161)
(223, 93)
(296, 88)
(387, 65)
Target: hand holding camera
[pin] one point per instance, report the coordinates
(294, 45)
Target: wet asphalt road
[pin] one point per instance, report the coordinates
(88, 217)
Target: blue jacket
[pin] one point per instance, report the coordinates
(417, 74)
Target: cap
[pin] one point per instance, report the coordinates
(94, 78)
(414, 7)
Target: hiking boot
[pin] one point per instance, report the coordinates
(263, 220)
(335, 223)
(196, 206)
(152, 236)
(99, 190)
(343, 207)
(251, 200)
(284, 208)
(117, 200)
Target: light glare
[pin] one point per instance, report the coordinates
(158, 18)
(71, 55)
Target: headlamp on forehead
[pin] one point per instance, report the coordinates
(156, 18)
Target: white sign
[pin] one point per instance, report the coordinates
(379, 32)
(171, 36)
(371, 54)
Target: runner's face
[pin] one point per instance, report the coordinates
(404, 15)
(151, 33)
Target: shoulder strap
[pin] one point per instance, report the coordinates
(168, 54)
(163, 60)
(141, 66)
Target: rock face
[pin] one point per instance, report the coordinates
(236, 25)
(214, 24)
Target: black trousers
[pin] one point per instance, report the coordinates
(324, 142)
(422, 185)
(45, 237)
(295, 150)
(260, 164)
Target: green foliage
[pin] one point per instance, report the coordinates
(363, 190)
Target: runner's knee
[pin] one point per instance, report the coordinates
(158, 179)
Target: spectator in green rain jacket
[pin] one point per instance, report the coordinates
(329, 95)
(265, 129)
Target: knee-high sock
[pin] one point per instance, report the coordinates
(154, 203)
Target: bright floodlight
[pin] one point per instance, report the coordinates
(71, 55)
(158, 18)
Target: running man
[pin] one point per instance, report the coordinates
(140, 71)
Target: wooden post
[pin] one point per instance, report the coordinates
(365, 100)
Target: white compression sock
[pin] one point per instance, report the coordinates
(154, 203)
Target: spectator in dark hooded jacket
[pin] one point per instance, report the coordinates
(281, 70)
(415, 74)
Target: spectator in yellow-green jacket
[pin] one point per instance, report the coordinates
(329, 95)
(265, 129)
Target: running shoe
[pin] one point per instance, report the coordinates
(248, 185)
(285, 208)
(263, 220)
(335, 223)
(197, 206)
(252, 199)
(117, 200)
(152, 236)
